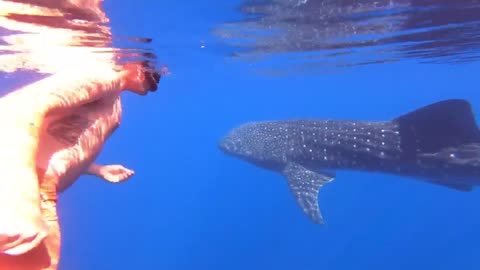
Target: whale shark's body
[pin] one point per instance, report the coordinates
(439, 143)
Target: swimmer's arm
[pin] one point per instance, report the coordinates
(110, 173)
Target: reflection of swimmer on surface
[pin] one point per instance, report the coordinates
(48, 36)
(64, 122)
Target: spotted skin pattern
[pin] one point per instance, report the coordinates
(438, 143)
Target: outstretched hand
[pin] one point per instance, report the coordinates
(115, 173)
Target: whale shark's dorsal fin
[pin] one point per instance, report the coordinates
(447, 123)
(305, 185)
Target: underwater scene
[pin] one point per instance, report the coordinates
(246, 134)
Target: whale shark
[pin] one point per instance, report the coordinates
(438, 143)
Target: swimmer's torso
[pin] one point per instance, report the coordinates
(71, 140)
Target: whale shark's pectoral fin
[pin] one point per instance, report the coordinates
(305, 185)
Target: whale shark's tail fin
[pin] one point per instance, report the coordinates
(448, 123)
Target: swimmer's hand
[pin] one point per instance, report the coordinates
(111, 173)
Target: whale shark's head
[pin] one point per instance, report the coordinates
(256, 142)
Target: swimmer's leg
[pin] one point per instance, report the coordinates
(21, 225)
(111, 173)
(48, 195)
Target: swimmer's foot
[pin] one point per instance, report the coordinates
(111, 173)
(140, 78)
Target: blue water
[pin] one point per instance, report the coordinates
(189, 206)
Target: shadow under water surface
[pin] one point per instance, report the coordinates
(322, 34)
(44, 37)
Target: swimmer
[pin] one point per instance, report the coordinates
(68, 122)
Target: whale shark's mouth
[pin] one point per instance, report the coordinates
(232, 146)
(227, 145)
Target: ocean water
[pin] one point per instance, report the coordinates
(189, 206)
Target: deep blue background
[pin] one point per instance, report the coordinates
(191, 207)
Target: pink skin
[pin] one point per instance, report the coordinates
(35, 217)
(111, 173)
(68, 163)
